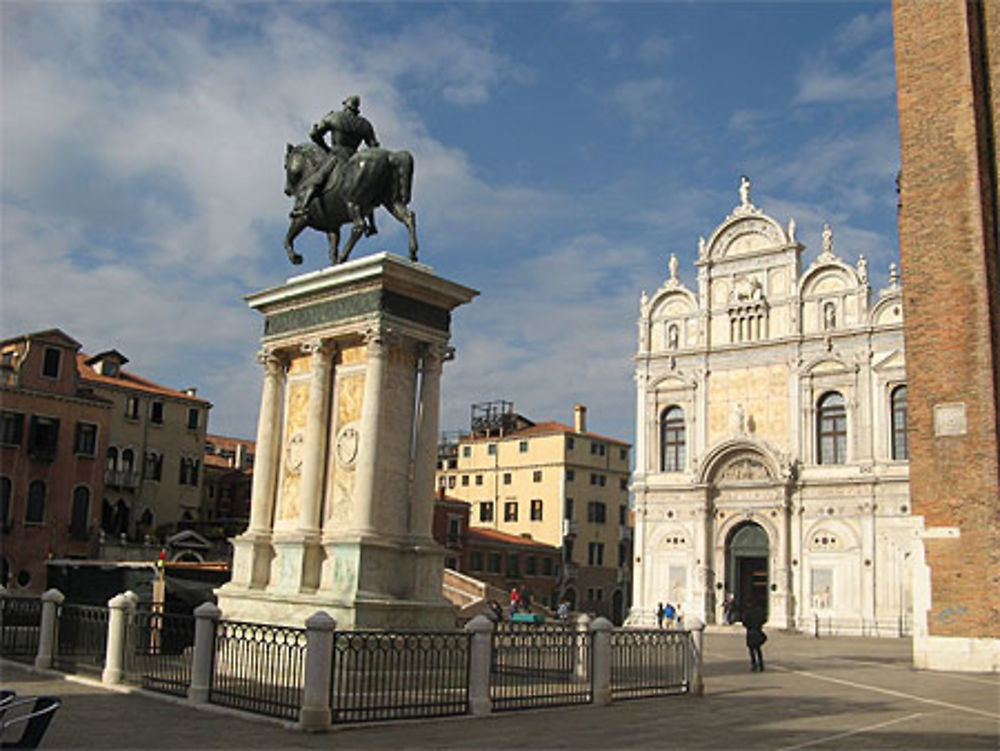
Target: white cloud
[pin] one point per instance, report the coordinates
(655, 49)
(644, 102)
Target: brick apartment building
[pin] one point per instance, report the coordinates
(53, 437)
(948, 81)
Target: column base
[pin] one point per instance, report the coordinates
(296, 565)
(252, 556)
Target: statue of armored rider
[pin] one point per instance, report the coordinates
(347, 129)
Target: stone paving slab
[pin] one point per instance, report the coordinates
(815, 694)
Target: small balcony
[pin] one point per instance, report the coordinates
(119, 478)
(570, 527)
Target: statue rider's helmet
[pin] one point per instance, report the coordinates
(353, 103)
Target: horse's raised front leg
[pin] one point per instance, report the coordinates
(407, 217)
(333, 236)
(294, 228)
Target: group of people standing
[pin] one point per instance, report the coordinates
(667, 614)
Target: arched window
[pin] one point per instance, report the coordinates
(900, 446)
(673, 336)
(672, 440)
(35, 513)
(112, 460)
(80, 513)
(831, 429)
(128, 461)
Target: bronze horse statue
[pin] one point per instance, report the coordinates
(368, 179)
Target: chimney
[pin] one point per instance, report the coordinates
(579, 418)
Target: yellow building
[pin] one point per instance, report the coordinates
(555, 483)
(156, 443)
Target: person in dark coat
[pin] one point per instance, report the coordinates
(753, 622)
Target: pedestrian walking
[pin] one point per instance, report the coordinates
(753, 622)
(659, 615)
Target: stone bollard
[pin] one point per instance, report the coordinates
(581, 663)
(207, 617)
(314, 715)
(480, 657)
(49, 631)
(697, 628)
(600, 631)
(119, 608)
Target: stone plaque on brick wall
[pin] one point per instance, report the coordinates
(949, 419)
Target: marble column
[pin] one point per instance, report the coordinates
(314, 445)
(425, 454)
(265, 473)
(366, 473)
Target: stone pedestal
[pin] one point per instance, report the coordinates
(343, 488)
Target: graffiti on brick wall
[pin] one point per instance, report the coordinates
(950, 615)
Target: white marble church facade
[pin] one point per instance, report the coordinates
(770, 440)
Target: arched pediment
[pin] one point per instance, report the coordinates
(888, 311)
(829, 278)
(672, 302)
(673, 538)
(830, 535)
(745, 233)
(825, 363)
(673, 382)
(739, 461)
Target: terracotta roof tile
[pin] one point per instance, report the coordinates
(493, 535)
(128, 380)
(542, 428)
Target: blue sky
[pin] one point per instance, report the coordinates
(563, 152)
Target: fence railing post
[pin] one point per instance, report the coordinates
(697, 629)
(48, 632)
(207, 616)
(600, 631)
(314, 715)
(119, 608)
(480, 658)
(581, 662)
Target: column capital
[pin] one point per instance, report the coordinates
(435, 354)
(318, 347)
(273, 361)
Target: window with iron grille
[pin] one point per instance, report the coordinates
(672, 440)
(832, 429)
(900, 444)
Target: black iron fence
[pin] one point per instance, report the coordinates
(259, 668)
(384, 675)
(649, 663)
(20, 626)
(82, 638)
(540, 666)
(161, 648)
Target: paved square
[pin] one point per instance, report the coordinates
(815, 694)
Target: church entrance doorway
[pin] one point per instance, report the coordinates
(747, 575)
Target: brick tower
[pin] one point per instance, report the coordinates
(948, 78)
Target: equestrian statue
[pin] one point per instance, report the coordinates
(337, 183)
